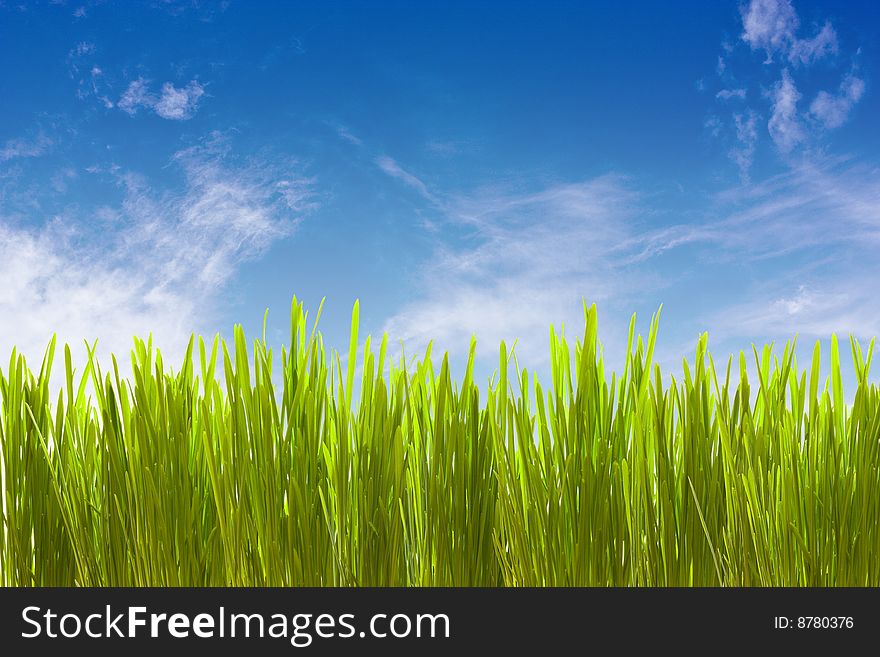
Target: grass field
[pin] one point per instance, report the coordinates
(207, 475)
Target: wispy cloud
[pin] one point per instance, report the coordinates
(155, 263)
(727, 94)
(392, 168)
(832, 111)
(60, 179)
(769, 25)
(811, 313)
(785, 125)
(178, 104)
(792, 253)
(713, 125)
(171, 102)
(747, 138)
(806, 51)
(89, 76)
(23, 147)
(80, 50)
(135, 96)
(772, 25)
(826, 204)
(346, 135)
(800, 247)
(529, 259)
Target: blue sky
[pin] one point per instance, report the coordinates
(461, 168)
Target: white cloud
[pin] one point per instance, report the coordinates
(747, 137)
(87, 73)
(393, 169)
(792, 255)
(827, 204)
(832, 111)
(346, 135)
(772, 25)
(812, 313)
(179, 104)
(16, 148)
(171, 103)
(61, 178)
(530, 259)
(107, 214)
(155, 263)
(515, 262)
(796, 304)
(81, 49)
(769, 25)
(713, 125)
(135, 96)
(785, 125)
(55, 283)
(806, 51)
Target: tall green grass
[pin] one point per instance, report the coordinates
(373, 471)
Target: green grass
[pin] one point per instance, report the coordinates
(373, 472)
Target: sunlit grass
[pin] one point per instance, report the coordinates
(209, 475)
